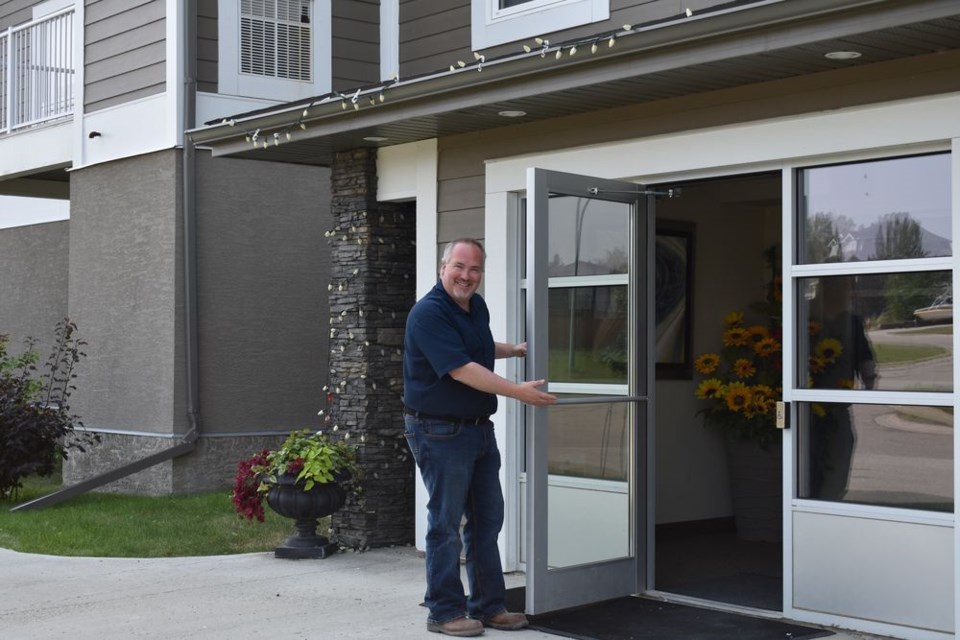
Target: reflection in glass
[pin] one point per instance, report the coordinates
(865, 211)
(588, 502)
(887, 455)
(865, 332)
(589, 441)
(588, 335)
(588, 237)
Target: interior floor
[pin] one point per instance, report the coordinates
(717, 565)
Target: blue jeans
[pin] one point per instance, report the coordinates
(460, 466)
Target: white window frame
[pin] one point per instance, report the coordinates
(491, 25)
(232, 82)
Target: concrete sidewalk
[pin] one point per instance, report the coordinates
(348, 596)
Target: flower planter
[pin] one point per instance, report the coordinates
(756, 481)
(289, 499)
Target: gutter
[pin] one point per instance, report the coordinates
(427, 94)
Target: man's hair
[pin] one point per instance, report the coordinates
(448, 250)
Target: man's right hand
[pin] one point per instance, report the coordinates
(530, 393)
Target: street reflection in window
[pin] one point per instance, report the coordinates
(890, 332)
(885, 455)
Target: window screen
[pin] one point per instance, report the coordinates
(276, 38)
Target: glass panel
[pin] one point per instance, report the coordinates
(887, 455)
(588, 502)
(588, 335)
(588, 237)
(881, 210)
(888, 331)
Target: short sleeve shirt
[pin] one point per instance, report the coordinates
(441, 337)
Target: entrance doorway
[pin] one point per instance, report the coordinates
(733, 227)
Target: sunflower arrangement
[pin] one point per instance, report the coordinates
(742, 382)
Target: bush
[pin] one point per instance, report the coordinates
(37, 429)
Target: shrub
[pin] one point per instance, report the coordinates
(37, 429)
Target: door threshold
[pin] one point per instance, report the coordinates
(702, 603)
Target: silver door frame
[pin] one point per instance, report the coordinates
(551, 589)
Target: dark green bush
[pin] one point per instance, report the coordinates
(37, 429)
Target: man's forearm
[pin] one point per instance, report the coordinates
(482, 379)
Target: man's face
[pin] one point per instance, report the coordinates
(461, 274)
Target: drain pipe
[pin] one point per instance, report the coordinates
(191, 311)
(188, 445)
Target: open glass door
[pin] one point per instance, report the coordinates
(589, 330)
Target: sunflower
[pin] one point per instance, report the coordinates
(829, 349)
(733, 319)
(738, 396)
(845, 383)
(736, 337)
(707, 363)
(818, 410)
(762, 399)
(758, 332)
(817, 364)
(709, 389)
(766, 347)
(743, 368)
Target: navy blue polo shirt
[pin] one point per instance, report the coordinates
(441, 337)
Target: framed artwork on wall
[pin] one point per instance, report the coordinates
(674, 299)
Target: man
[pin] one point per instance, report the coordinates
(450, 391)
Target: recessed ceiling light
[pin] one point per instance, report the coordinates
(843, 55)
(512, 113)
(376, 139)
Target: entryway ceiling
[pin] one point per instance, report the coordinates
(760, 42)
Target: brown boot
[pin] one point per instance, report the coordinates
(460, 627)
(506, 621)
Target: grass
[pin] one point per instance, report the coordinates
(900, 353)
(107, 525)
(942, 330)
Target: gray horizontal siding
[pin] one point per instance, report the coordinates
(14, 12)
(432, 40)
(355, 43)
(208, 54)
(125, 51)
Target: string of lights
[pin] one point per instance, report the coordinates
(375, 95)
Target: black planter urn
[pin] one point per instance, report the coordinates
(288, 498)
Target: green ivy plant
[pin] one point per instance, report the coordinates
(310, 457)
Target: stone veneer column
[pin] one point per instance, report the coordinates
(372, 287)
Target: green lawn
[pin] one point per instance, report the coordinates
(940, 330)
(900, 353)
(106, 525)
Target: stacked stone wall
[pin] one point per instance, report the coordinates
(372, 288)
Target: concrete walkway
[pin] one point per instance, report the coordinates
(348, 596)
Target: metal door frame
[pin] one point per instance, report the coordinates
(551, 589)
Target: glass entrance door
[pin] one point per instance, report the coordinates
(588, 328)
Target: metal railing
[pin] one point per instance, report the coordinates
(37, 72)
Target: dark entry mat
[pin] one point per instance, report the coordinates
(634, 618)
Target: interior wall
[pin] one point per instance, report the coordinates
(735, 221)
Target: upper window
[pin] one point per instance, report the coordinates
(891, 209)
(274, 49)
(499, 21)
(275, 38)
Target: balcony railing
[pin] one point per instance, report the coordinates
(37, 72)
